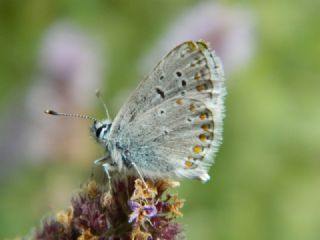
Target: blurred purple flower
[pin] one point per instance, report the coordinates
(70, 69)
(71, 63)
(229, 30)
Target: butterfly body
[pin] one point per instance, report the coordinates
(171, 126)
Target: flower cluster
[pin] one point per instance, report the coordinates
(132, 209)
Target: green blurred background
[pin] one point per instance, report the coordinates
(266, 180)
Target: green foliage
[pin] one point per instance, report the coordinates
(265, 183)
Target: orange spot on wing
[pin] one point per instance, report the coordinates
(188, 164)
(192, 107)
(179, 101)
(202, 137)
(200, 88)
(203, 44)
(203, 116)
(197, 149)
(205, 127)
(192, 45)
(197, 76)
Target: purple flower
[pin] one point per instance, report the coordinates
(138, 210)
(135, 207)
(150, 211)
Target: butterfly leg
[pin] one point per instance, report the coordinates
(98, 161)
(95, 172)
(140, 175)
(106, 166)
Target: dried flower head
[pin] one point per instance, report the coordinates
(132, 209)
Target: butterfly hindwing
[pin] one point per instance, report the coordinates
(171, 126)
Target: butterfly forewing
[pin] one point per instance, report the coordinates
(171, 126)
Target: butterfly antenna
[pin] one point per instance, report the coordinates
(98, 95)
(51, 112)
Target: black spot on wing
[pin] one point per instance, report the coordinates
(125, 155)
(132, 115)
(160, 92)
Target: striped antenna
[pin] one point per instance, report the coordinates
(51, 112)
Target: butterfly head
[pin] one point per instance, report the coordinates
(101, 129)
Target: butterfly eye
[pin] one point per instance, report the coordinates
(100, 129)
(98, 132)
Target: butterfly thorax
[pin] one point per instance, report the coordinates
(101, 130)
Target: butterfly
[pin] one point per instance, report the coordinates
(171, 125)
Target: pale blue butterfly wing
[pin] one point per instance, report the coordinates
(171, 126)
